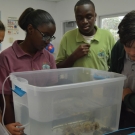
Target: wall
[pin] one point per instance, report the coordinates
(14, 8)
(69, 26)
(61, 11)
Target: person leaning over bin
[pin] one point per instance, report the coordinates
(123, 61)
(28, 54)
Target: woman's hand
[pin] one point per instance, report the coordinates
(126, 91)
(14, 129)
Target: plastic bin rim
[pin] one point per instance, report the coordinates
(75, 85)
(65, 69)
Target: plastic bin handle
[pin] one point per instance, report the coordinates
(19, 84)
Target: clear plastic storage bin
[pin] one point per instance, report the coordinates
(70, 101)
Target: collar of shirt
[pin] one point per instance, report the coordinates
(131, 63)
(20, 53)
(79, 37)
(128, 58)
(88, 37)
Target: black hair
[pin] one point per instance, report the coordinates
(126, 29)
(82, 2)
(2, 27)
(34, 17)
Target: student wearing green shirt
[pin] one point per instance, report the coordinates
(87, 45)
(123, 61)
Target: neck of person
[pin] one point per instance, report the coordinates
(27, 47)
(91, 33)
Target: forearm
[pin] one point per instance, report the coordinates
(9, 111)
(0, 117)
(69, 62)
(126, 91)
(129, 101)
(9, 117)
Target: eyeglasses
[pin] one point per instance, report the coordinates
(45, 37)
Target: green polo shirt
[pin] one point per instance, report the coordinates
(99, 52)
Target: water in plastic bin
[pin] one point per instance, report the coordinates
(89, 123)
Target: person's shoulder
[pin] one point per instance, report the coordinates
(119, 44)
(4, 56)
(104, 31)
(105, 35)
(9, 51)
(71, 32)
(118, 47)
(48, 54)
(6, 52)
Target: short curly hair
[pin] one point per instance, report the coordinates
(82, 2)
(126, 29)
